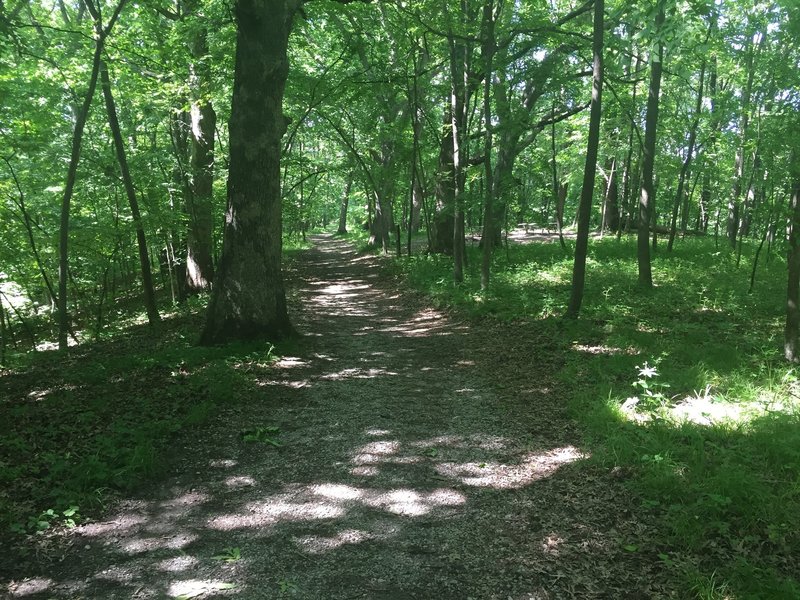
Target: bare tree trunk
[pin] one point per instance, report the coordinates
(417, 176)
(734, 203)
(487, 53)
(458, 72)
(558, 197)
(647, 196)
(590, 167)
(688, 160)
(343, 205)
(127, 181)
(628, 204)
(444, 218)
(200, 202)
(610, 218)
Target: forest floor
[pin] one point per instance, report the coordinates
(398, 453)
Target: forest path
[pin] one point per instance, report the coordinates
(420, 458)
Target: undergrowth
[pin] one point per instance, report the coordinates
(710, 434)
(80, 428)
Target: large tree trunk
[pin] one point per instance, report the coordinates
(379, 231)
(127, 182)
(200, 202)
(590, 167)
(248, 300)
(647, 195)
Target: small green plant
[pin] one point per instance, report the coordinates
(286, 586)
(229, 555)
(48, 518)
(264, 435)
(651, 394)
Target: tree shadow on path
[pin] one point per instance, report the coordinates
(418, 457)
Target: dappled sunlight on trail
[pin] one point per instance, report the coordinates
(397, 471)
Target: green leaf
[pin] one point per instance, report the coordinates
(229, 555)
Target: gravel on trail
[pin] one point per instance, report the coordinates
(419, 457)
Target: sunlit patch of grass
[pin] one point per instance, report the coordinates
(294, 243)
(715, 456)
(722, 480)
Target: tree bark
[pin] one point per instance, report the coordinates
(734, 202)
(127, 182)
(714, 126)
(590, 167)
(487, 51)
(200, 202)
(248, 300)
(342, 229)
(647, 195)
(458, 105)
(610, 219)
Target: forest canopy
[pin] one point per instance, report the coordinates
(122, 155)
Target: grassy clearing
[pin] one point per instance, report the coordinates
(683, 387)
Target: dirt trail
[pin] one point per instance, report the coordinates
(419, 458)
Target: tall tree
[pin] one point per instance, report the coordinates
(590, 167)
(714, 123)
(100, 35)
(200, 200)
(487, 50)
(687, 161)
(647, 193)
(459, 100)
(734, 201)
(130, 192)
(248, 300)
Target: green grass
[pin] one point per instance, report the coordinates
(725, 491)
(83, 428)
(103, 420)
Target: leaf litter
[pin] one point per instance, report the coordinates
(420, 456)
